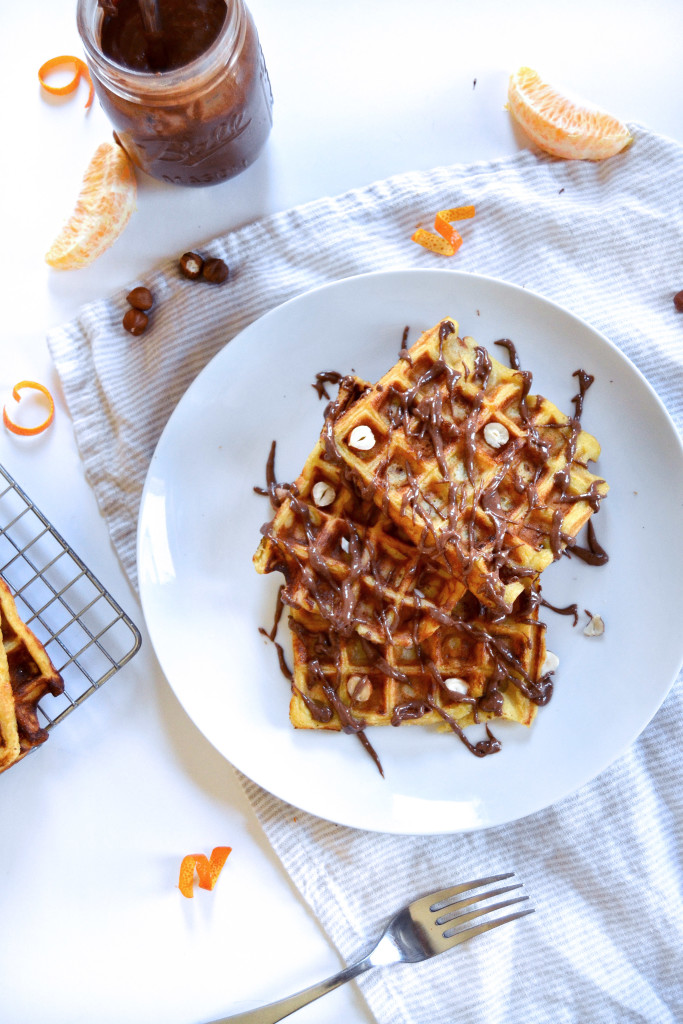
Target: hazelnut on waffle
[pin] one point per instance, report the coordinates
(472, 669)
(26, 676)
(348, 562)
(451, 445)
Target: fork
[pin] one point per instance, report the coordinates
(428, 926)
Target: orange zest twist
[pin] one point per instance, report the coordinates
(29, 431)
(207, 870)
(448, 240)
(80, 71)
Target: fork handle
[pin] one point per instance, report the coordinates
(274, 1012)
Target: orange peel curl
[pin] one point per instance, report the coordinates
(448, 240)
(80, 71)
(15, 428)
(207, 869)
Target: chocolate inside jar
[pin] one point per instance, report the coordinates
(190, 102)
(185, 31)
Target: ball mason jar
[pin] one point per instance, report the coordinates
(197, 124)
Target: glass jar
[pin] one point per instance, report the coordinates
(197, 124)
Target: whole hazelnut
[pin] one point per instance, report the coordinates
(191, 265)
(678, 301)
(216, 271)
(135, 321)
(140, 298)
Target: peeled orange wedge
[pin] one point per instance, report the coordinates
(104, 205)
(560, 125)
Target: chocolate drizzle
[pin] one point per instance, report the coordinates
(270, 635)
(323, 378)
(273, 490)
(593, 554)
(319, 712)
(403, 352)
(413, 710)
(585, 381)
(592, 496)
(570, 609)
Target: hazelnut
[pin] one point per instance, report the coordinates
(323, 494)
(495, 434)
(595, 627)
(362, 438)
(216, 271)
(140, 298)
(678, 301)
(135, 321)
(456, 685)
(396, 474)
(191, 265)
(550, 663)
(359, 688)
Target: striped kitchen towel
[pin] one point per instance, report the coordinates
(606, 864)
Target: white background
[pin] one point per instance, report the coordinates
(93, 827)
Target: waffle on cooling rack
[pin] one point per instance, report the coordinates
(466, 462)
(26, 676)
(412, 542)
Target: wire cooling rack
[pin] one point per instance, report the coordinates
(84, 631)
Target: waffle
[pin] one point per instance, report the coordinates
(9, 734)
(348, 562)
(26, 676)
(416, 443)
(472, 669)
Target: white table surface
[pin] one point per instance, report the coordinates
(94, 825)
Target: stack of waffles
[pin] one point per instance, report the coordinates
(26, 676)
(412, 542)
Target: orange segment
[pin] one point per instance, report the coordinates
(104, 205)
(560, 125)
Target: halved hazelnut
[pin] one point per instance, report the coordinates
(396, 474)
(362, 438)
(323, 493)
(456, 685)
(495, 434)
(596, 626)
(359, 688)
(191, 265)
(550, 663)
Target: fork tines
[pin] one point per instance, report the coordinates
(449, 898)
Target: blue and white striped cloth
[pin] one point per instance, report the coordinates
(606, 864)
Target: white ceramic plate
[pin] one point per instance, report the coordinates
(203, 601)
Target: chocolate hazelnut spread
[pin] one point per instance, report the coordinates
(186, 31)
(191, 104)
(593, 553)
(323, 378)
